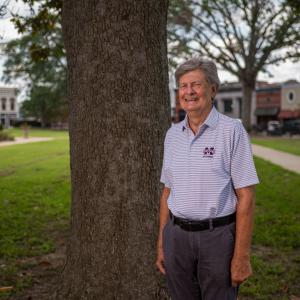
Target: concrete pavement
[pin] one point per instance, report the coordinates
(285, 160)
(20, 140)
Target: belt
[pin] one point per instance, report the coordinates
(189, 225)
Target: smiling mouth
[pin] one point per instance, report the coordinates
(191, 100)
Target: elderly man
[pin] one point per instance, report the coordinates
(206, 207)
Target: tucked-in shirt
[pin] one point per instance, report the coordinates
(203, 170)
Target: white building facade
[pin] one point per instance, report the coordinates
(8, 105)
(229, 100)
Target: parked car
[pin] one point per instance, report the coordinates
(274, 128)
(259, 127)
(291, 126)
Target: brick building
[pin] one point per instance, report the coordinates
(268, 102)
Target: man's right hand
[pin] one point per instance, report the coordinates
(160, 260)
(163, 219)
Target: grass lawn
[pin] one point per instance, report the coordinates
(290, 145)
(35, 199)
(276, 242)
(34, 203)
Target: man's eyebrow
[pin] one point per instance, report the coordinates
(196, 81)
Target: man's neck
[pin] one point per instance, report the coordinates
(196, 119)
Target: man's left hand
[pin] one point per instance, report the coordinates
(240, 270)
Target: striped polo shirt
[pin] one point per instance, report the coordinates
(203, 170)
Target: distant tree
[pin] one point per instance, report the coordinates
(180, 18)
(38, 57)
(47, 104)
(243, 37)
(295, 4)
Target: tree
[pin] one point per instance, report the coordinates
(38, 57)
(119, 112)
(47, 104)
(243, 37)
(3, 7)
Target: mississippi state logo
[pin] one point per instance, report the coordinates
(209, 152)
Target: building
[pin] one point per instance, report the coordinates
(290, 101)
(228, 101)
(8, 105)
(173, 93)
(268, 102)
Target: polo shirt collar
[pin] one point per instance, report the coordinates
(211, 120)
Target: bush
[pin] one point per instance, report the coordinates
(5, 137)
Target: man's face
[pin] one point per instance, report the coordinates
(195, 93)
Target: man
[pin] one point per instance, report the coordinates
(206, 207)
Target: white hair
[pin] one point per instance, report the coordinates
(208, 67)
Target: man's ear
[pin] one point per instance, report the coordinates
(214, 90)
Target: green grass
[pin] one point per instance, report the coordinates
(276, 241)
(34, 203)
(35, 200)
(290, 145)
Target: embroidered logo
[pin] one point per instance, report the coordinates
(209, 152)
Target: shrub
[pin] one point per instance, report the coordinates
(5, 137)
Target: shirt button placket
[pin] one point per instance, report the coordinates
(190, 144)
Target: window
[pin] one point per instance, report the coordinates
(3, 104)
(12, 104)
(227, 105)
(290, 96)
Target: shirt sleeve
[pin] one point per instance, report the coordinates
(243, 172)
(165, 176)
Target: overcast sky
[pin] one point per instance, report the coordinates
(280, 73)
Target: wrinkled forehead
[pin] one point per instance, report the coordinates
(192, 76)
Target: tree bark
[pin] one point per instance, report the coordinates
(248, 89)
(119, 112)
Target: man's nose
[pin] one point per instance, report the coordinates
(190, 89)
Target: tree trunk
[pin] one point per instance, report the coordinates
(119, 112)
(248, 89)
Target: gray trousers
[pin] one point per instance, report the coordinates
(198, 263)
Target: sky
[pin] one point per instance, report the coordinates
(7, 33)
(283, 72)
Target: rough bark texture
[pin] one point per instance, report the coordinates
(248, 89)
(119, 112)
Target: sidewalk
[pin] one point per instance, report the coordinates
(20, 140)
(286, 160)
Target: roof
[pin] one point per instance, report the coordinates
(270, 88)
(230, 86)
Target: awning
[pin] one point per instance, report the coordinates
(266, 111)
(289, 114)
